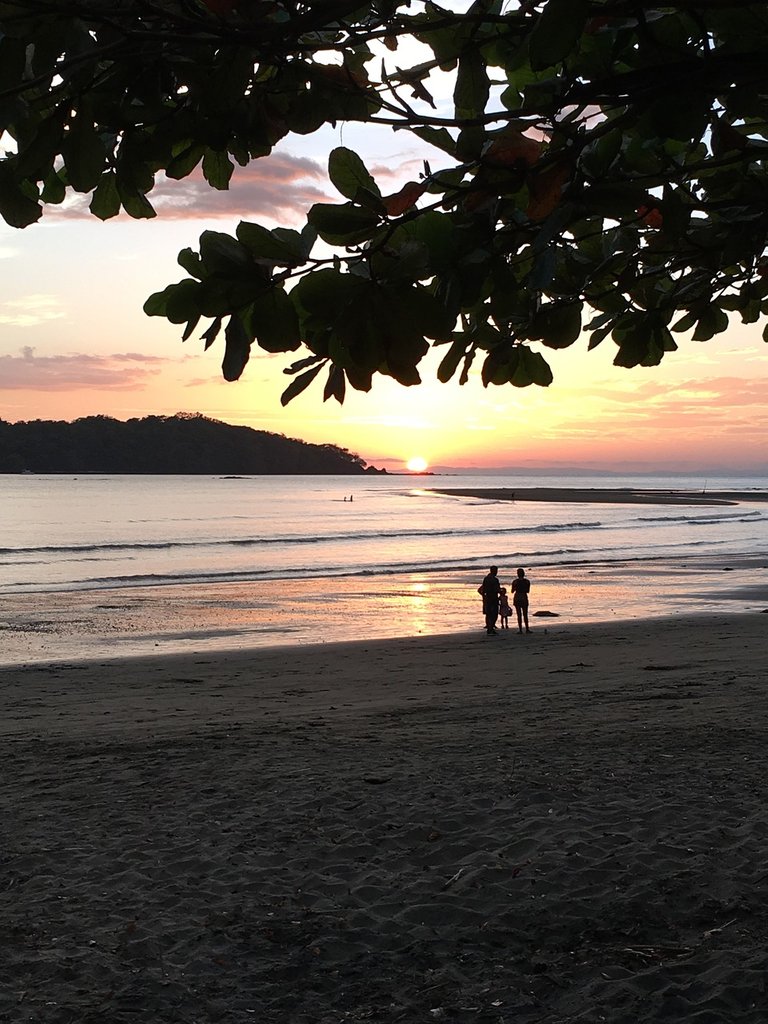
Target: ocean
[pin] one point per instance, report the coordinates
(93, 565)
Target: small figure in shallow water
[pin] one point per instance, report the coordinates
(520, 589)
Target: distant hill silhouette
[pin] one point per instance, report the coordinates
(185, 443)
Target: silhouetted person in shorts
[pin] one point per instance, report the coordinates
(490, 589)
(520, 590)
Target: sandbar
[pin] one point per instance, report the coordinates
(605, 495)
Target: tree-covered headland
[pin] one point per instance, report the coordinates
(185, 443)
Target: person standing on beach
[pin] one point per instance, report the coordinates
(520, 589)
(490, 590)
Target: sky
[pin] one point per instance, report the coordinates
(74, 342)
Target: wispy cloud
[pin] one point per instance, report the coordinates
(705, 394)
(401, 169)
(28, 371)
(30, 310)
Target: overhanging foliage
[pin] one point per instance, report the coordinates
(602, 171)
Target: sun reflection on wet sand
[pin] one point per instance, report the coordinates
(414, 609)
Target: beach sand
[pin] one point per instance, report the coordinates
(566, 826)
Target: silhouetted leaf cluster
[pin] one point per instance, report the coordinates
(602, 171)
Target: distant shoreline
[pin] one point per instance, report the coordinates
(604, 495)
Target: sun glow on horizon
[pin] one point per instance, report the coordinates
(416, 465)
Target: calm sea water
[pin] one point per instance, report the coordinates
(290, 560)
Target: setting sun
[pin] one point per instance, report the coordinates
(416, 464)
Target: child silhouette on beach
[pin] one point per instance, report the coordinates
(520, 590)
(504, 610)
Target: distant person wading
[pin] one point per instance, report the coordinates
(490, 591)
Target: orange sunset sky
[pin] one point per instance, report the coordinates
(74, 342)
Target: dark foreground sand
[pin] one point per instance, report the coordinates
(569, 826)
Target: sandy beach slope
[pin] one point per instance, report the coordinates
(568, 826)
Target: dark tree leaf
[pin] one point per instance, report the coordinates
(224, 255)
(472, 88)
(558, 326)
(105, 202)
(350, 175)
(191, 262)
(450, 361)
(440, 138)
(299, 384)
(54, 190)
(16, 208)
(237, 349)
(281, 247)
(711, 322)
(84, 155)
(178, 302)
(532, 368)
(335, 386)
(343, 225)
(135, 203)
(185, 161)
(189, 329)
(217, 169)
(273, 320)
(211, 333)
(556, 31)
(13, 59)
(37, 154)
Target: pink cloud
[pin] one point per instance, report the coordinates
(279, 186)
(29, 372)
